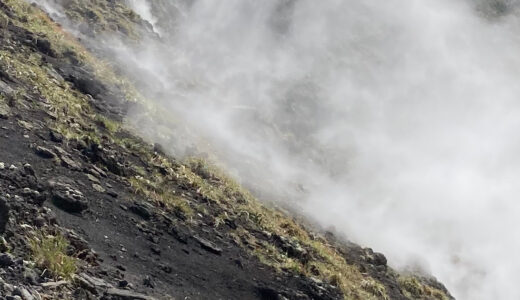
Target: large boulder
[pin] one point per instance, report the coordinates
(67, 197)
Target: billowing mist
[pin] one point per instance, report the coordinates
(144, 10)
(394, 123)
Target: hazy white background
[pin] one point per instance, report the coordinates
(395, 122)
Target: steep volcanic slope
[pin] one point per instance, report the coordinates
(90, 211)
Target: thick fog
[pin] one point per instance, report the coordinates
(394, 122)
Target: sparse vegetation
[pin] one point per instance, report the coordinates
(415, 289)
(329, 265)
(157, 192)
(103, 16)
(108, 124)
(375, 288)
(50, 253)
(189, 188)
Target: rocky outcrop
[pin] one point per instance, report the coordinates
(66, 197)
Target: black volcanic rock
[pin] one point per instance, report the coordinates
(4, 215)
(44, 152)
(67, 197)
(6, 260)
(209, 246)
(141, 210)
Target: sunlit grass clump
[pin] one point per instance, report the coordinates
(414, 289)
(49, 252)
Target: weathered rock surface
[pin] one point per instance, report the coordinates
(207, 245)
(6, 260)
(44, 152)
(141, 210)
(66, 197)
(118, 294)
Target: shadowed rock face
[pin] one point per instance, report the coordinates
(4, 215)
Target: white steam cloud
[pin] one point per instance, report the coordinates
(143, 8)
(395, 122)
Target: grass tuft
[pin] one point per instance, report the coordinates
(415, 289)
(160, 193)
(50, 253)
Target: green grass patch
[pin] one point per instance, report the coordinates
(160, 193)
(330, 266)
(415, 289)
(110, 125)
(49, 252)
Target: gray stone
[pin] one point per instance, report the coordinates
(4, 246)
(292, 248)
(5, 111)
(93, 178)
(66, 159)
(127, 295)
(31, 276)
(70, 163)
(208, 246)
(8, 287)
(56, 137)
(54, 284)
(6, 260)
(141, 210)
(45, 153)
(99, 171)
(5, 88)
(54, 74)
(98, 188)
(24, 293)
(148, 282)
(77, 241)
(93, 284)
(26, 125)
(68, 198)
(29, 170)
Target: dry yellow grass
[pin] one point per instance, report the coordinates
(49, 252)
